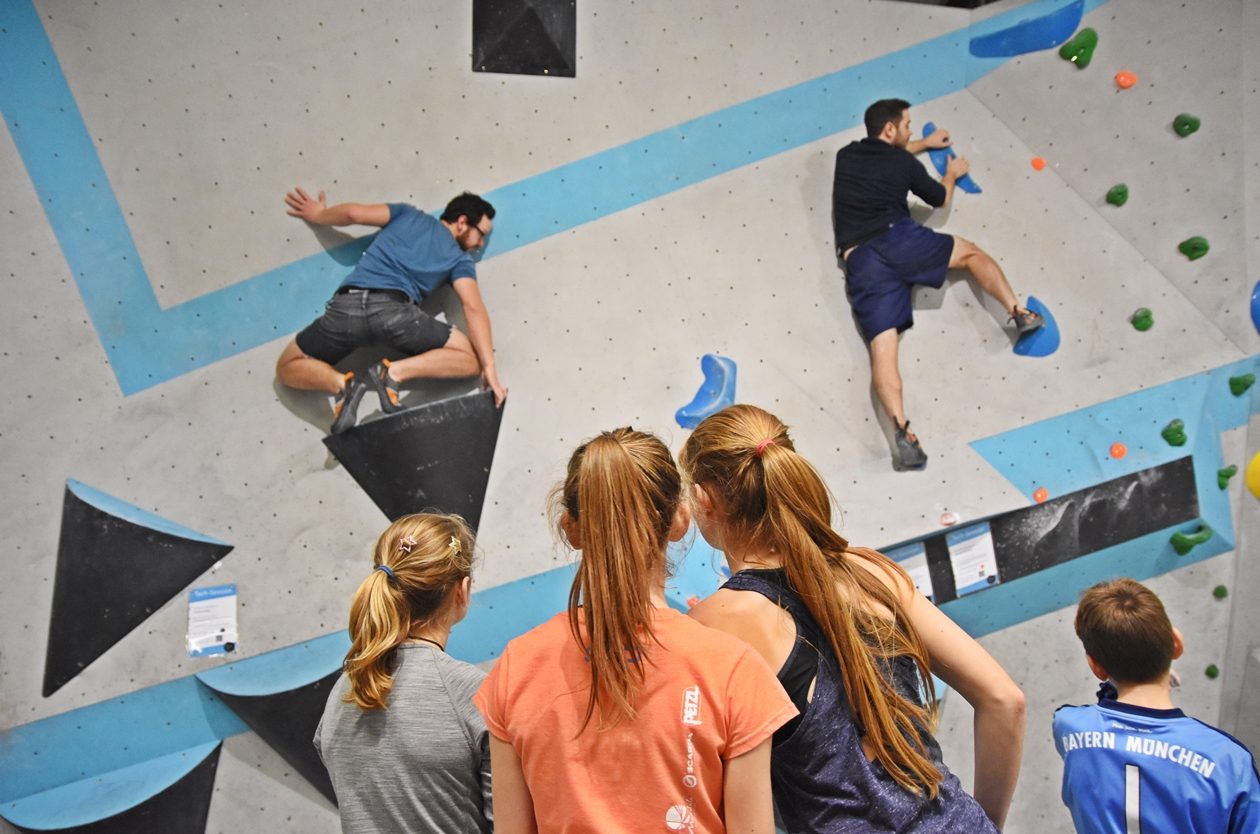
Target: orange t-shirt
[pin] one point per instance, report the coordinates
(708, 698)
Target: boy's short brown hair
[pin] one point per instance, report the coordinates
(1125, 630)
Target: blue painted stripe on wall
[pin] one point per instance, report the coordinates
(130, 512)
(1072, 451)
(280, 670)
(101, 797)
(114, 734)
(147, 345)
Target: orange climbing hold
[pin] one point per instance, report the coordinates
(1125, 79)
(1119, 450)
(1041, 494)
(1038, 163)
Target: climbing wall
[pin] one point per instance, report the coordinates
(670, 201)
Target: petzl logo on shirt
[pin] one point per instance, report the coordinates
(691, 706)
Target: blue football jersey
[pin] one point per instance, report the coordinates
(1129, 769)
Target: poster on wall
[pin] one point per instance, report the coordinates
(913, 560)
(972, 557)
(211, 621)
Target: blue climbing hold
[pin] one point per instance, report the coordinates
(1030, 35)
(1043, 341)
(715, 394)
(940, 158)
(1255, 306)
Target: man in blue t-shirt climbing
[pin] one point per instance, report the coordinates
(379, 303)
(1134, 762)
(885, 252)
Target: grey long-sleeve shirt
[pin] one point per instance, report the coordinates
(420, 766)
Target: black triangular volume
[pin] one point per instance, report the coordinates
(525, 37)
(287, 722)
(435, 457)
(116, 565)
(183, 807)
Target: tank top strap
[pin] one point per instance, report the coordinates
(772, 584)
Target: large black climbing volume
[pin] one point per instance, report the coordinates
(435, 457)
(525, 37)
(113, 571)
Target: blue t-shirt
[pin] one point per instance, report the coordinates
(413, 253)
(1171, 772)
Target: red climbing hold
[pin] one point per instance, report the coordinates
(1119, 450)
(1040, 495)
(1038, 163)
(1125, 79)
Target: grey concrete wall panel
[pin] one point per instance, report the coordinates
(115, 566)
(432, 457)
(1093, 135)
(525, 37)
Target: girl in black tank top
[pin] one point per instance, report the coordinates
(860, 757)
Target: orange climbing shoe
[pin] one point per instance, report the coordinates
(386, 388)
(346, 406)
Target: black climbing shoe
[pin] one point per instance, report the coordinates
(386, 388)
(346, 406)
(910, 454)
(1026, 321)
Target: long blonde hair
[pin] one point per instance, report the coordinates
(418, 562)
(772, 498)
(621, 491)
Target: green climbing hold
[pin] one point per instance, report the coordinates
(1118, 195)
(1185, 124)
(1175, 433)
(1080, 49)
(1142, 319)
(1212, 672)
(1238, 385)
(1223, 475)
(1183, 543)
(1193, 247)
(1220, 592)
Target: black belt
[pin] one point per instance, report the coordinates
(397, 295)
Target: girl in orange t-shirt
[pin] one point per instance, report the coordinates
(624, 715)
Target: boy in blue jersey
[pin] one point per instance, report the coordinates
(1133, 762)
(379, 303)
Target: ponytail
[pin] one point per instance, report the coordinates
(773, 498)
(418, 562)
(621, 493)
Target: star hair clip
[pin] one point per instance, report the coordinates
(405, 544)
(454, 545)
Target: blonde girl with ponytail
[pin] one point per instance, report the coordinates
(406, 749)
(622, 714)
(854, 644)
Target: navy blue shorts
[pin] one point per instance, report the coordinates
(356, 318)
(879, 275)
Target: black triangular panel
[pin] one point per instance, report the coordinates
(116, 565)
(525, 37)
(435, 457)
(180, 809)
(287, 722)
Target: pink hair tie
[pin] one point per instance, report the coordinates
(761, 447)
